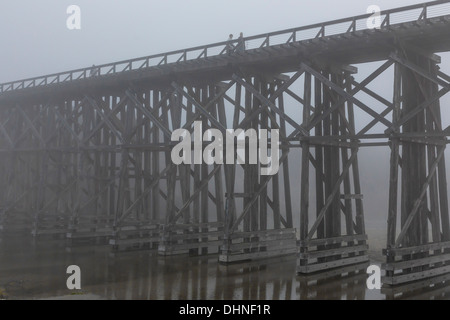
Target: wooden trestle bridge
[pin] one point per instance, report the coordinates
(89, 155)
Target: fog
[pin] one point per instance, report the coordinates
(36, 41)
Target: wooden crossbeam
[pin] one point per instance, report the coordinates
(358, 88)
(411, 114)
(418, 70)
(211, 103)
(154, 111)
(200, 188)
(418, 202)
(7, 137)
(330, 198)
(67, 125)
(271, 105)
(24, 133)
(95, 196)
(144, 193)
(201, 109)
(139, 105)
(118, 106)
(31, 125)
(105, 119)
(55, 198)
(286, 85)
(344, 94)
(171, 165)
(249, 205)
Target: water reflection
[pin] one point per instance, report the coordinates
(38, 270)
(437, 288)
(343, 283)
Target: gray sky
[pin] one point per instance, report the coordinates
(36, 41)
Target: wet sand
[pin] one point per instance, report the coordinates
(37, 270)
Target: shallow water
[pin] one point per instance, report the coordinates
(38, 270)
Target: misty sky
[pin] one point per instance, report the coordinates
(36, 41)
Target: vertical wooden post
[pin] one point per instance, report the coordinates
(304, 196)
